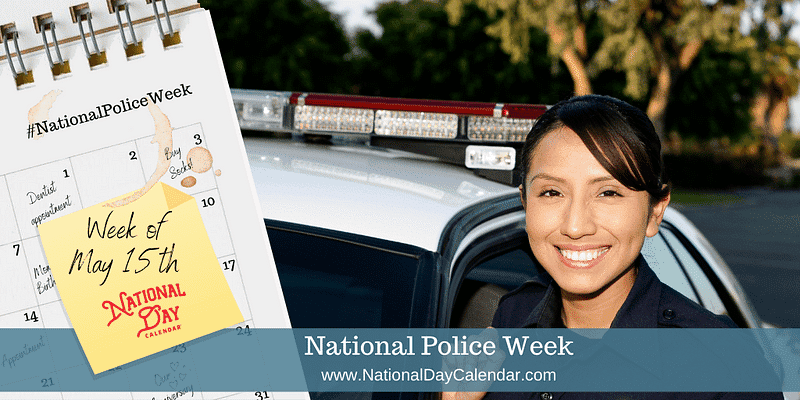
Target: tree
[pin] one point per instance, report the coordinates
(562, 20)
(421, 55)
(712, 99)
(281, 45)
(775, 57)
(651, 41)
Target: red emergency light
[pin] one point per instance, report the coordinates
(461, 108)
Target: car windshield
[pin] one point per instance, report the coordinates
(335, 279)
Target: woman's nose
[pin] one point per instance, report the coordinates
(578, 220)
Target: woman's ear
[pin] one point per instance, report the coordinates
(522, 196)
(656, 215)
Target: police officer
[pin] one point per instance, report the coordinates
(594, 187)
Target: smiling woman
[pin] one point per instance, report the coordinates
(594, 188)
(585, 228)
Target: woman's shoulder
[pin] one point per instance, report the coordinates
(529, 292)
(677, 311)
(515, 306)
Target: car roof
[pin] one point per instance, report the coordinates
(355, 188)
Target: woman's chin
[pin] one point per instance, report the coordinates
(580, 287)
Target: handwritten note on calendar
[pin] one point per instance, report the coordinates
(138, 278)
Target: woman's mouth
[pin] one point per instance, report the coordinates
(582, 258)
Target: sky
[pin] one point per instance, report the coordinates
(354, 15)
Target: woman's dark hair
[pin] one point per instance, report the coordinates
(619, 136)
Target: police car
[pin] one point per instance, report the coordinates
(368, 232)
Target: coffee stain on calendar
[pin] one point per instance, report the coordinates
(41, 111)
(198, 159)
(163, 136)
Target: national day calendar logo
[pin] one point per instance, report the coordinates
(152, 315)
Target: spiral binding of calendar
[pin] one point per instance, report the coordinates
(134, 48)
(173, 37)
(81, 14)
(25, 76)
(45, 23)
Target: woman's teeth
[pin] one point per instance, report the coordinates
(585, 255)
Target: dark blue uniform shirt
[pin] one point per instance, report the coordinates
(650, 304)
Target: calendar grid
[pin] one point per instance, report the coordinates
(16, 221)
(77, 189)
(37, 306)
(80, 193)
(227, 228)
(233, 245)
(144, 173)
(21, 249)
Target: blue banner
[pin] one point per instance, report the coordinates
(421, 360)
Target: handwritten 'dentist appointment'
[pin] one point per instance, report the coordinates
(138, 278)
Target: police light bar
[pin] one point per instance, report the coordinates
(384, 118)
(333, 113)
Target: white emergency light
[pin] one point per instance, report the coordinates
(498, 128)
(333, 119)
(260, 109)
(416, 124)
(490, 157)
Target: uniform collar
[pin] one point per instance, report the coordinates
(640, 309)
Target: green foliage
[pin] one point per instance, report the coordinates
(690, 55)
(421, 55)
(680, 196)
(776, 59)
(281, 45)
(794, 151)
(638, 35)
(711, 99)
(718, 172)
(790, 143)
(512, 20)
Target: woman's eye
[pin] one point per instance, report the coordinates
(610, 193)
(549, 193)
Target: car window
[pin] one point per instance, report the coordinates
(667, 267)
(331, 281)
(709, 297)
(508, 269)
(481, 289)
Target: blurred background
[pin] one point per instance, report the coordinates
(717, 79)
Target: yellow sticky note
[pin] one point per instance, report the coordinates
(138, 278)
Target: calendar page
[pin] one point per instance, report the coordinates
(95, 136)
